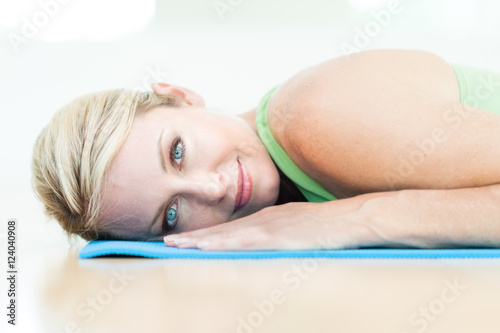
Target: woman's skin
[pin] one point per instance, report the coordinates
(350, 124)
(199, 186)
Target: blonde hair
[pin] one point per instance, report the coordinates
(74, 151)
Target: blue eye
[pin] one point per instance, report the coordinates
(177, 150)
(171, 216)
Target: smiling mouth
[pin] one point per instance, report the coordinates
(244, 187)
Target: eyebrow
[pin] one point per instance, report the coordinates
(161, 158)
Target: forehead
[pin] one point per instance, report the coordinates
(128, 194)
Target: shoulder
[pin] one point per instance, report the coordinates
(296, 117)
(347, 79)
(346, 122)
(316, 117)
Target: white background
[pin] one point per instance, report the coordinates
(230, 58)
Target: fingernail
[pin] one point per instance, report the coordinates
(180, 241)
(170, 242)
(202, 244)
(170, 238)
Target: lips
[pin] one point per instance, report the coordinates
(244, 188)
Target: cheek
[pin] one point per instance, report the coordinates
(221, 124)
(199, 218)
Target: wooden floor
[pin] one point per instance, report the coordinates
(285, 295)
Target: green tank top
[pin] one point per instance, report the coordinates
(313, 191)
(478, 87)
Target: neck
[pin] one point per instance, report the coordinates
(288, 191)
(249, 117)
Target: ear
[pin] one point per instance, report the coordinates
(189, 97)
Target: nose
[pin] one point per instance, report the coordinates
(210, 188)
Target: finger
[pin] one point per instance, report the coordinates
(197, 233)
(248, 243)
(189, 239)
(216, 229)
(238, 242)
(230, 236)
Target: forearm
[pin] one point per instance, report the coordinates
(408, 218)
(431, 218)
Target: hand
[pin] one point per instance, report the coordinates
(291, 226)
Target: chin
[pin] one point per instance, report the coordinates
(272, 195)
(272, 190)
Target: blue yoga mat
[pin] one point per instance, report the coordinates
(161, 251)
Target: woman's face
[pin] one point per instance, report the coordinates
(179, 170)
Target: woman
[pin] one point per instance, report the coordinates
(382, 148)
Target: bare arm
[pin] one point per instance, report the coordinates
(388, 120)
(435, 218)
(468, 217)
(373, 125)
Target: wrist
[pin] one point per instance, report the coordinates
(357, 221)
(399, 221)
(384, 217)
